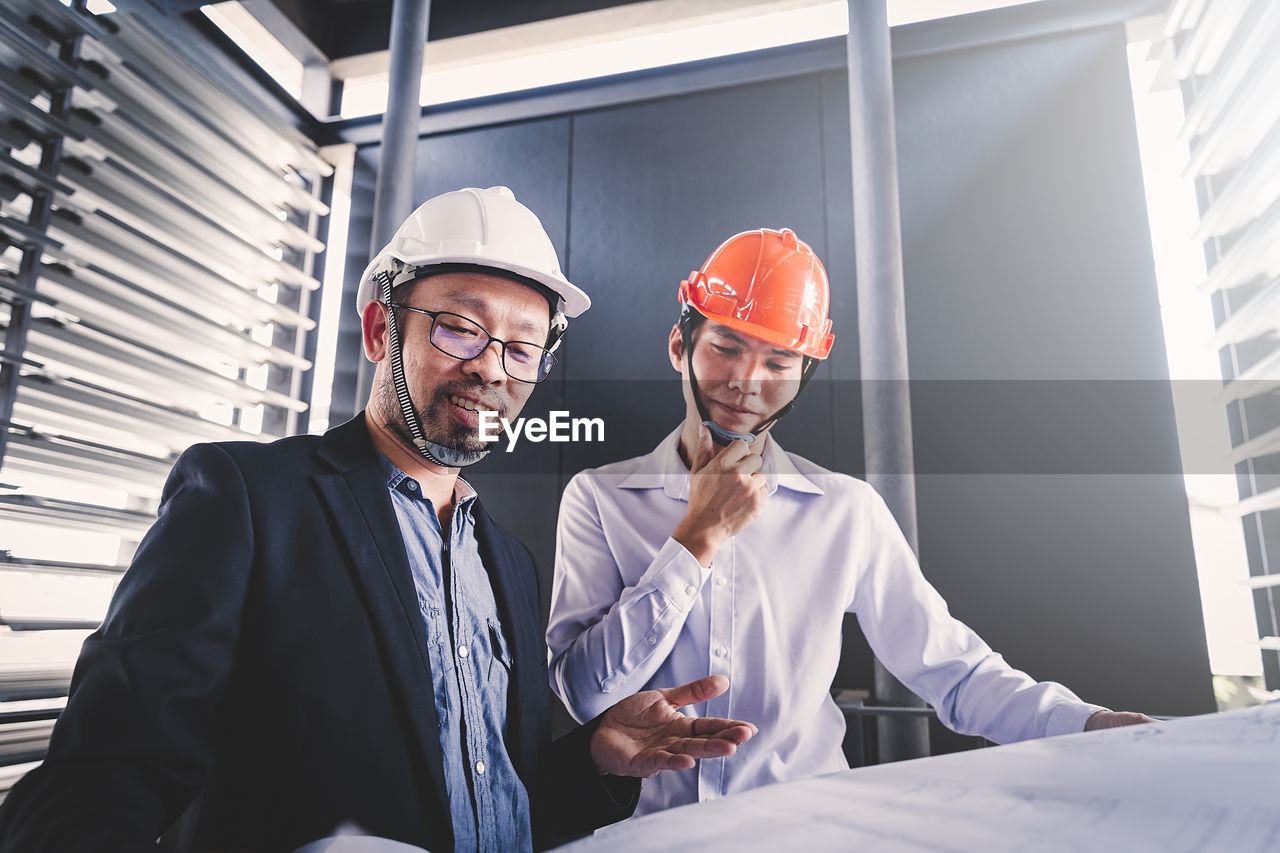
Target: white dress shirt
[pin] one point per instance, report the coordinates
(632, 609)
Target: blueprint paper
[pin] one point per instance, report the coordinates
(1209, 783)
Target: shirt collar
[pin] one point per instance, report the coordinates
(663, 469)
(399, 481)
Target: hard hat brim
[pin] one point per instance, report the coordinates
(573, 300)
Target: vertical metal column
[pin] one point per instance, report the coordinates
(882, 330)
(393, 200)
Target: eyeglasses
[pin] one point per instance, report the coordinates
(465, 339)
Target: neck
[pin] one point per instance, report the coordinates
(437, 482)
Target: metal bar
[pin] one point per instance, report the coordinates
(22, 172)
(116, 362)
(122, 142)
(77, 516)
(33, 683)
(393, 198)
(136, 314)
(104, 187)
(146, 106)
(63, 406)
(15, 334)
(95, 240)
(56, 567)
(882, 330)
(7, 717)
(1257, 316)
(141, 46)
(1261, 445)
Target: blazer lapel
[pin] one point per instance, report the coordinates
(356, 496)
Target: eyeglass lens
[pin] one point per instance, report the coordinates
(461, 338)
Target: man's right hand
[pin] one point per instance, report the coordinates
(726, 493)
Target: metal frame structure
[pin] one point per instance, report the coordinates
(161, 241)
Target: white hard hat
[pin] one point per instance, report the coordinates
(488, 228)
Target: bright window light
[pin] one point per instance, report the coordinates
(751, 27)
(259, 44)
(38, 542)
(331, 304)
(95, 7)
(1217, 539)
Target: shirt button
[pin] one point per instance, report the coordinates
(480, 767)
(412, 486)
(463, 651)
(721, 651)
(690, 589)
(653, 641)
(720, 581)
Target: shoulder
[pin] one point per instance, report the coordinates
(251, 464)
(281, 452)
(252, 456)
(835, 486)
(592, 481)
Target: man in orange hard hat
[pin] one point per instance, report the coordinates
(719, 550)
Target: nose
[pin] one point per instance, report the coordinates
(752, 375)
(487, 366)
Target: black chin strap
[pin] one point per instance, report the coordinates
(719, 434)
(409, 414)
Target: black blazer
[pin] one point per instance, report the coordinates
(265, 651)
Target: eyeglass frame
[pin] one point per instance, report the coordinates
(502, 360)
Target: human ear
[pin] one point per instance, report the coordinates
(675, 348)
(373, 328)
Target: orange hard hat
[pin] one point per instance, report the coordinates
(767, 284)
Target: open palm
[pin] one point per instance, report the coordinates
(645, 734)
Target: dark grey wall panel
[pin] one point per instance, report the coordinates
(1027, 257)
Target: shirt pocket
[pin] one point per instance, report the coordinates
(500, 657)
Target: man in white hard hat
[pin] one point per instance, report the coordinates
(329, 630)
(719, 550)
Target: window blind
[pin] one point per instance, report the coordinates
(1223, 52)
(159, 243)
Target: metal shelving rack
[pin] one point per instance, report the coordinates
(158, 255)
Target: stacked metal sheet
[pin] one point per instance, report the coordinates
(158, 236)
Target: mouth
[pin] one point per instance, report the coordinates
(734, 410)
(467, 410)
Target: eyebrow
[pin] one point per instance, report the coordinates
(741, 341)
(477, 304)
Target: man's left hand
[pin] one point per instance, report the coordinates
(1115, 719)
(645, 734)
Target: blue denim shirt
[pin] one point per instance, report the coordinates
(470, 665)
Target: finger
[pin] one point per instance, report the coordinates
(699, 747)
(738, 731)
(749, 464)
(707, 687)
(728, 458)
(668, 761)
